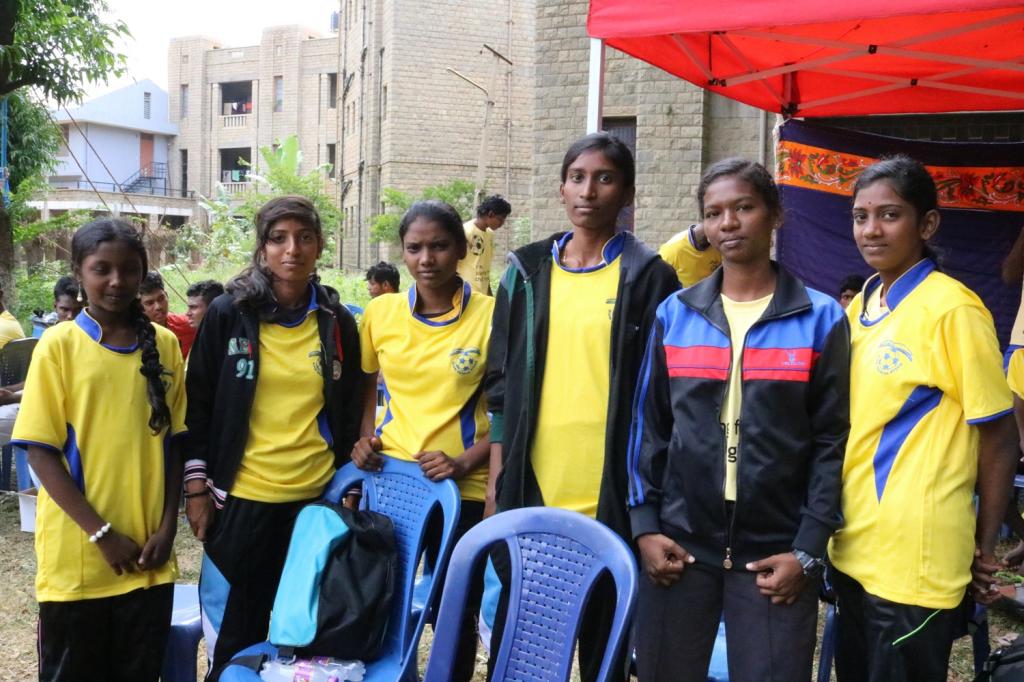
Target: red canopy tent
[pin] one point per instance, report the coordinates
(830, 57)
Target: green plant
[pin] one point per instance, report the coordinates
(35, 290)
(522, 231)
(56, 47)
(283, 176)
(384, 226)
(69, 220)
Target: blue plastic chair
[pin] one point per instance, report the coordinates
(401, 492)
(718, 670)
(183, 642)
(556, 557)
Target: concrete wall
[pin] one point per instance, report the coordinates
(406, 123)
(118, 148)
(299, 56)
(679, 127)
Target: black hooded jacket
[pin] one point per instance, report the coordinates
(220, 397)
(515, 368)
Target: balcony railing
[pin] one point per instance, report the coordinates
(235, 120)
(155, 191)
(235, 187)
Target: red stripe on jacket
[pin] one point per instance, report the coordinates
(699, 362)
(778, 364)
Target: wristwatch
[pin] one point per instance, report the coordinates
(812, 565)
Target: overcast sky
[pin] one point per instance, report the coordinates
(234, 23)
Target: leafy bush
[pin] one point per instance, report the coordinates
(384, 227)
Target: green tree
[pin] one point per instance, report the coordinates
(230, 238)
(282, 175)
(384, 227)
(55, 47)
(33, 141)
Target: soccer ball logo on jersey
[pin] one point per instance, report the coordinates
(476, 245)
(890, 356)
(463, 360)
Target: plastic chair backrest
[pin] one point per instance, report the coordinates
(14, 360)
(401, 492)
(556, 558)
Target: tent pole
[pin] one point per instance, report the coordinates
(595, 86)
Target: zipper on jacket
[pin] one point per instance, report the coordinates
(727, 561)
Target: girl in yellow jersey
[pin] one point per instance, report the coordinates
(273, 385)
(104, 402)
(571, 318)
(930, 423)
(429, 346)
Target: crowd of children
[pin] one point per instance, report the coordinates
(745, 434)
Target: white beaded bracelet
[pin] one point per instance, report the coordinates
(95, 537)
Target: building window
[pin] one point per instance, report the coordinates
(184, 172)
(278, 93)
(65, 132)
(184, 59)
(331, 159)
(183, 97)
(278, 50)
(147, 104)
(332, 90)
(384, 103)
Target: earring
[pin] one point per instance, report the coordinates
(79, 297)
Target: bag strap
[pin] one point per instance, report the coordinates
(253, 661)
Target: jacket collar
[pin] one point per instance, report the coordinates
(790, 295)
(533, 258)
(296, 318)
(609, 252)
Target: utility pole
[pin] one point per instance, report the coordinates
(481, 164)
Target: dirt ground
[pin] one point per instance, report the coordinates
(18, 614)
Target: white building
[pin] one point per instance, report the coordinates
(130, 133)
(114, 160)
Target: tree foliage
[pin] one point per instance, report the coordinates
(55, 47)
(58, 46)
(384, 227)
(282, 175)
(231, 238)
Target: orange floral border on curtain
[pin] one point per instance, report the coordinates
(826, 170)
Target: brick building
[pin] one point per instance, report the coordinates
(377, 99)
(408, 122)
(229, 101)
(675, 128)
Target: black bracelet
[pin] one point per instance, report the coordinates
(189, 496)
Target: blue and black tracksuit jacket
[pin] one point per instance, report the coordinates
(794, 421)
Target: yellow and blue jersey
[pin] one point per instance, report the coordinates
(432, 370)
(87, 402)
(924, 371)
(568, 451)
(691, 263)
(1015, 372)
(288, 455)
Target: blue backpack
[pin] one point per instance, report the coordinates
(337, 586)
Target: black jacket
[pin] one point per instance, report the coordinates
(794, 420)
(220, 397)
(515, 362)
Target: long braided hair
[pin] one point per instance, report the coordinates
(85, 242)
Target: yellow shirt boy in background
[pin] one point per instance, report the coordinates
(475, 268)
